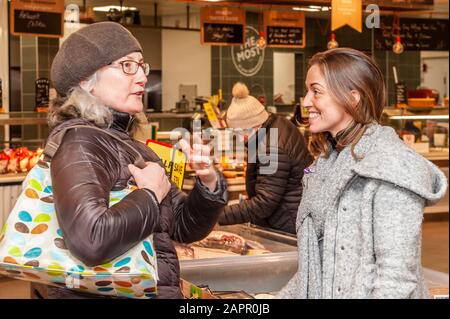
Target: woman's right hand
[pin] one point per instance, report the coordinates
(152, 177)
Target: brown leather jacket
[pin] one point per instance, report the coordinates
(86, 167)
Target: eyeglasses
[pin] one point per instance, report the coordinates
(131, 67)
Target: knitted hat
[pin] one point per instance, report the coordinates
(89, 49)
(245, 111)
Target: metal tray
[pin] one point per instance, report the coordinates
(253, 274)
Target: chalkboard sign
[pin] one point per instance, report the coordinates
(42, 93)
(284, 36)
(216, 33)
(401, 97)
(27, 22)
(416, 34)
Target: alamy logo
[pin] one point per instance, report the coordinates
(373, 19)
(261, 146)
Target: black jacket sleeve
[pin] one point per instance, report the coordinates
(269, 191)
(197, 213)
(83, 172)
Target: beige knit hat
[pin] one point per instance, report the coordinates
(245, 111)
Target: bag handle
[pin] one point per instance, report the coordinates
(53, 143)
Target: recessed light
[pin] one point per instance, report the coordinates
(107, 8)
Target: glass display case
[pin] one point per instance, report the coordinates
(426, 130)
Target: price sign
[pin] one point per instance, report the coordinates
(174, 160)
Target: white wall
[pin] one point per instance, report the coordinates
(284, 75)
(4, 66)
(184, 61)
(436, 77)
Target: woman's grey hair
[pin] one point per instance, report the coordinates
(80, 103)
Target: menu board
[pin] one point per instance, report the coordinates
(416, 34)
(215, 33)
(401, 96)
(37, 17)
(222, 26)
(42, 93)
(284, 29)
(285, 36)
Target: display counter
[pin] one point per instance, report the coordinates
(266, 273)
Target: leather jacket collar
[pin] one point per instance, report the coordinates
(122, 121)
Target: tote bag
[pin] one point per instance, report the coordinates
(32, 246)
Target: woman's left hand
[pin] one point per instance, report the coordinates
(199, 157)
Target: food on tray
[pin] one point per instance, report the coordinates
(220, 244)
(251, 244)
(225, 241)
(184, 251)
(18, 160)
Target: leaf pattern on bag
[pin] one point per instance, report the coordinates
(32, 227)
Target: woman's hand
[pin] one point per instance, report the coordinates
(152, 177)
(201, 161)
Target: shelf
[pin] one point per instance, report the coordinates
(12, 178)
(417, 113)
(5, 119)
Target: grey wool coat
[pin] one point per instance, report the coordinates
(359, 221)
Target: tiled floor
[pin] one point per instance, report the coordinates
(434, 256)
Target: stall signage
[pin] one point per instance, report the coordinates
(285, 29)
(1, 97)
(249, 57)
(416, 34)
(37, 17)
(222, 26)
(42, 86)
(346, 12)
(211, 115)
(173, 160)
(401, 96)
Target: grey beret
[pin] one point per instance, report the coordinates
(89, 49)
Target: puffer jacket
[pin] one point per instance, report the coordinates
(273, 198)
(86, 167)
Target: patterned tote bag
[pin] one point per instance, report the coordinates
(32, 246)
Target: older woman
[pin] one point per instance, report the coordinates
(360, 217)
(99, 74)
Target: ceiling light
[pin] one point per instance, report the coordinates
(305, 9)
(107, 8)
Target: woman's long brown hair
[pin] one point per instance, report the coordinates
(345, 70)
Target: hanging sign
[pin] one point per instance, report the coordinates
(346, 12)
(222, 26)
(1, 97)
(173, 159)
(284, 29)
(37, 17)
(42, 86)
